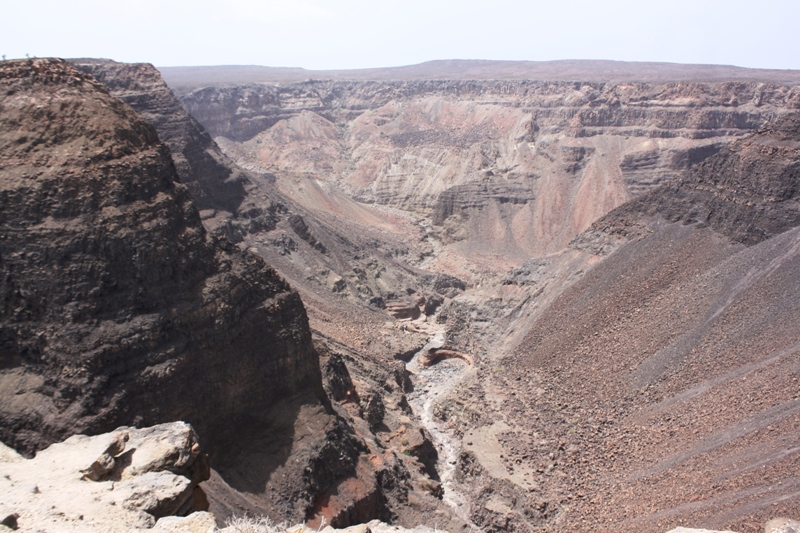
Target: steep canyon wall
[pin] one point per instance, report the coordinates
(117, 305)
(505, 170)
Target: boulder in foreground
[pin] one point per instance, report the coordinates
(119, 481)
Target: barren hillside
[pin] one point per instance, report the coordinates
(661, 388)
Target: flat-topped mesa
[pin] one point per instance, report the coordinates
(186, 78)
(116, 306)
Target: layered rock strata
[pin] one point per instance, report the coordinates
(504, 170)
(749, 192)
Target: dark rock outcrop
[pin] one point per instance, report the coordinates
(337, 381)
(299, 226)
(116, 307)
(749, 191)
(221, 191)
(212, 184)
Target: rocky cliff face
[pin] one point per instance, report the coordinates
(665, 110)
(505, 170)
(748, 192)
(117, 306)
(222, 192)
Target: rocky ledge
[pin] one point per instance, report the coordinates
(119, 481)
(128, 480)
(135, 480)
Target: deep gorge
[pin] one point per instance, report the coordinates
(609, 268)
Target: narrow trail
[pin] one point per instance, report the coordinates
(430, 383)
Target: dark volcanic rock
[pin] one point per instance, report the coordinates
(201, 167)
(116, 307)
(447, 285)
(214, 181)
(299, 226)
(749, 191)
(337, 381)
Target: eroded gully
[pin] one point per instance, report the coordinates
(431, 383)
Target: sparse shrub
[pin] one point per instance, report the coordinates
(263, 524)
(253, 524)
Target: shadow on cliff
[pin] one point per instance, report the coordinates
(277, 462)
(260, 443)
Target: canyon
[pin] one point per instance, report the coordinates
(433, 296)
(503, 171)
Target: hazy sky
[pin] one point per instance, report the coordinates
(338, 34)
